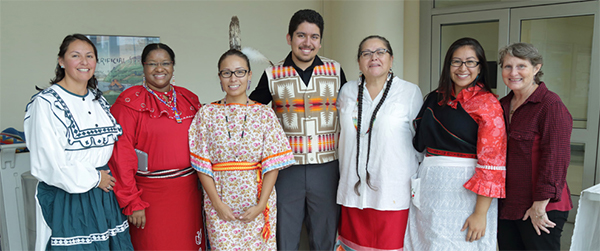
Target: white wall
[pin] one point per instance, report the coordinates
(31, 32)
(355, 20)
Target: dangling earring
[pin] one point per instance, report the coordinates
(221, 84)
(474, 81)
(144, 81)
(173, 79)
(248, 88)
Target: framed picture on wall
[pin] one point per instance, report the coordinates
(119, 62)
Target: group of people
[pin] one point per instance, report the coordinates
(364, 165)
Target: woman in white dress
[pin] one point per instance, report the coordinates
(376, 153)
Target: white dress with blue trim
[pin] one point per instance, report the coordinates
(71, 138)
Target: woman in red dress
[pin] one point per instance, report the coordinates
(161, 195)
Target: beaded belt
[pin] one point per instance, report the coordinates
(436, 152)
(167, 174)
(244, 166)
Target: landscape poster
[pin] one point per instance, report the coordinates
(119, 62)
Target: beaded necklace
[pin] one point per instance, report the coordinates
(173, 106)
(227, 118)
(237, 152)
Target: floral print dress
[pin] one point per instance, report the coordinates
(236, 145)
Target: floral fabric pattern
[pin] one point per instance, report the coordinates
(239, 133)
(485, 109)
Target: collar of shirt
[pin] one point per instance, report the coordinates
(535, 97)
(304, 74)
(464, 95)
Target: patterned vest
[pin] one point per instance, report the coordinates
(307, 112)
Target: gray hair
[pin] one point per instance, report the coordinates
(523, 51)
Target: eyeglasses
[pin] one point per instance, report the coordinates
(165, 64)
(469, 64)
(237, 73)
(379, 53)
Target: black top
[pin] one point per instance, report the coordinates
(262, 94)
(444, 128)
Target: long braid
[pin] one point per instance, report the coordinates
(371, 122)
(385, 93)
(358, 122)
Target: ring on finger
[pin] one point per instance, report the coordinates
(109, 187)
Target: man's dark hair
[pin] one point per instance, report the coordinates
(306, 15)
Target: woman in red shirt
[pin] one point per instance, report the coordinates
(539, 131)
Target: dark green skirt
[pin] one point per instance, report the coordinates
(85, 221)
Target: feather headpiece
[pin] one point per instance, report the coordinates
(235, 42)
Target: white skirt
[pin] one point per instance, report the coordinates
(440, 205)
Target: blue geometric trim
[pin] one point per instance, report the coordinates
(279, 165)
(90, 137)
(78, 240)
(203, 170)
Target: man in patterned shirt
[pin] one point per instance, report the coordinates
(303, 90)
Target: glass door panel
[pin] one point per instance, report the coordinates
(575, 171)
(566, 44)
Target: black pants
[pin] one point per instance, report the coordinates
(520, 235)
(307, 193)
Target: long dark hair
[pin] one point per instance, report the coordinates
(361, 86)
(60, 72)
(446, 86)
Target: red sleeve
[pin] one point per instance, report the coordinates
(555, 152)
(490, 173)
(123, 162)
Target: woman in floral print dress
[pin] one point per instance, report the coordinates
(238, 146)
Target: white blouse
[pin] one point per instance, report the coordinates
(68, 136)
(393, 160)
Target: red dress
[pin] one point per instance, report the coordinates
(169, 191)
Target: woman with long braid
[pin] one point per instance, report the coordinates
(375, 152)
(461, 129)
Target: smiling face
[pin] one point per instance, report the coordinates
(305, 42)
(463, 76)
(79, 62)
(518, 74)
(375, 66)
(158, 76)
(234, 86)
